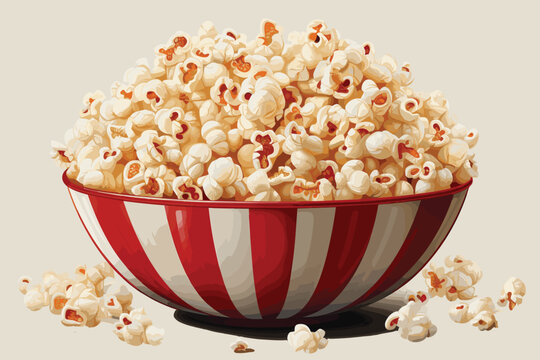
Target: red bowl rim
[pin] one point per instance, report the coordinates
(74, 185)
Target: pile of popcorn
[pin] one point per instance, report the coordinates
(219, 117)
(90, 298)
(454, 283)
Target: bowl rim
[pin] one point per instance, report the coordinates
(76, 186)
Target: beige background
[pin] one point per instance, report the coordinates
(483, 57)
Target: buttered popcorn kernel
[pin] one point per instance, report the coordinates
(216, 108)
(92, 297)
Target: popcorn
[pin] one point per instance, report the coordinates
(485, 321)
(73, 316)
(436, 279)
(304, 190)
(331, 121)
(352, 182)
(181, 126)
(512, 294)
(193, 163)
(81, 302)
(454, 153)
(303, 339)
(34, 299)
(267, 148)
(92, 103)
(174, 50)
(240, 346)
(380, 144)
(24, 283)
(185, 189)
(265, 103)
(412, 321)
(216, 137)
(268, 106)
(154, 335)
(381, 183)
(57, 302)
(259, 184)
(458, 283)
(481, 313)
(61, 155)
(223, 179)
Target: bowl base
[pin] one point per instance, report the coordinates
(353, 323)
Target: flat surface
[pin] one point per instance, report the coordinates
(484, 58)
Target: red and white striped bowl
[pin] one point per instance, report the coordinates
(254, 260)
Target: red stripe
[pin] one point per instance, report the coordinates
(116, 225)
(192, 235)
(350, 237)
(272, 249)
(428, 220)
(420, 265)
(106, 258)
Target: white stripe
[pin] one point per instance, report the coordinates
(451, 215)
(85, 210)
(232, 242)
(152, 229)
(313, 233)
(392, 224)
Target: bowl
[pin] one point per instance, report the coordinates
(267, 261)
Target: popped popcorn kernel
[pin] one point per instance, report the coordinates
(411, 319)
(303, 339)
(267, 104)
(512, 293)
(480, 313)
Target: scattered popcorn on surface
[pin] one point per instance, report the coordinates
(93, 296)
(411, 319)
(303, 339)
(480, 312)
(512, 293)
(457, 283)
(240, 347)
(320, 118)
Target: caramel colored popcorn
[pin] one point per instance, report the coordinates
(213, 109)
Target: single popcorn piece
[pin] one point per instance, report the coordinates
(154, 335)
(436, 279)
(34, 299)
(512, 293)
(24, 283)
(240, 347)
(73, 316)
(412, 320)
(464, 275)
(266, 105)
(303, 339)
(481, 312)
